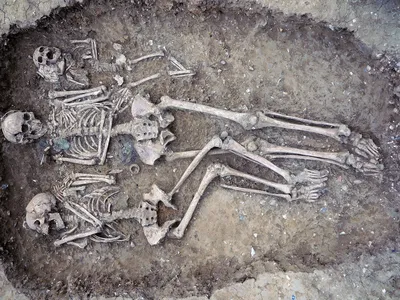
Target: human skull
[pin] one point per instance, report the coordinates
(46, 56)
(50, 63)
(21, 127)
(38, 212)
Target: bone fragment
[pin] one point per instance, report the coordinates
(87, 162)
(183, 73)
(93, 45)
(176, 63)
(71, 79)
(80, 244)
(69, 231)
(139, 82)
(305, 121)
(77, 236)
(98, 239)
(255, 191)
(85, 41)
(148, 56)
(154, 233)
(61, 94)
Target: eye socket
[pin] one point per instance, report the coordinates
(40, 59)
(41, 49)
(37, 223)
(27, 117)
(50, 55)
(24, 128)
(33, 132)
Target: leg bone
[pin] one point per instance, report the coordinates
(157, 195)
(218, 170)
(251, 121)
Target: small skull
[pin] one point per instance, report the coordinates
(38, 212)
(21, 127)
(50, 63)
(46, 56)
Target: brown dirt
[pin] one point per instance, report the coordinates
(287, 64)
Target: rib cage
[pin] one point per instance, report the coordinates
(86, 128)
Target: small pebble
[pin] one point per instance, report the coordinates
(251, 68)
(120, 60)
(252, 252)
(222, 62)
(117, 47)
(252, 147)
(119, 79)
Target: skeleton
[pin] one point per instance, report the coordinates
(85, 119)
(307, 185)
(363, 155)
(93, 210)
(21, 127)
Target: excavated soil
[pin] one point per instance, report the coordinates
(246, 59)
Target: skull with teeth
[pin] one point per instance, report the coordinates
(50, 63)
(39, 213)
(21, 127)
